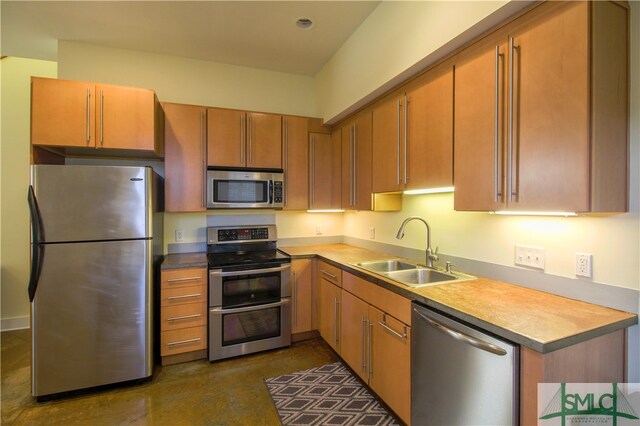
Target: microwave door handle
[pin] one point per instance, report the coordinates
(270, 193)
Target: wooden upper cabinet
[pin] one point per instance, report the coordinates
(357, 162)
(185, 162)
(74, 114)
(320, 171)
(244, 139)
(541, 112)
(413, 134)
(295, 155)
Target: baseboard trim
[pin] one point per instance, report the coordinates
(17, 323)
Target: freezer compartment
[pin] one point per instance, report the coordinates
(461, 375)
(92, 316)
(92, 203)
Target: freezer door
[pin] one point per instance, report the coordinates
(91, 316)
(92, 203)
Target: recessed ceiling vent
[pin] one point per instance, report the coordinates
(304, 23)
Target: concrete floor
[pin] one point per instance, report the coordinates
(228, 392)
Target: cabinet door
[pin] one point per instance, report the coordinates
(388, 151)
(295, 151)
(321, 180)
(301, 276)
(356, 163)
(391, 362)
(354, 332)
(225, 137)
(550, 127)
(264, 140)
(126, 118)
(185, 157)
(62, 113)
(336, 169)
(478, 132)
(329, 313)
(429, 115)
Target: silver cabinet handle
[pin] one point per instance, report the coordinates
(216, 273)
(384, 325)
(398, 142)
(485, 346)
(225, 311)
(363, 332)
(184, 317)
(88, 118)
(513, 191)
(250, 129)
(101, 117)
(242, 138)
(183, 342)
(313, 171)
(496, 133)
(406, 139)
(203, 153)
(285, 159)
(177, 280)
(370, 360)
(295, 298)
(328, 274)
(355, 165)
(336, 306)
(186, 296)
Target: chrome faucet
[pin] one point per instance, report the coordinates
(431, 256)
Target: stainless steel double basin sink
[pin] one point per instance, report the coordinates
(410, 274)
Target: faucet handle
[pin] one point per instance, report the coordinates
(434, 256)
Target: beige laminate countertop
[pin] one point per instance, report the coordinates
(541, 321)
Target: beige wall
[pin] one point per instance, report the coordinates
(189, 81)
(395, 37)
(15, 97)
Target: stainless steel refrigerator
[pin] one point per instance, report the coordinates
(95, 232)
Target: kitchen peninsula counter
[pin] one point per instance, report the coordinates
(541, 321)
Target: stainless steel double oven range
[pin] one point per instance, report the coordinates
(249, 291)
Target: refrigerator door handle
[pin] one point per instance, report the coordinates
(37, 249)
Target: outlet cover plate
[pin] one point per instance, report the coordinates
(529, 256)
(584, 263)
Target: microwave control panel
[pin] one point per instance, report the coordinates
(277, 191)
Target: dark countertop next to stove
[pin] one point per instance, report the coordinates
(184, 260)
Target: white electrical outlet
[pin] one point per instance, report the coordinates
(532, 257)
(584, 265)
(179, 235)
(318, 230)
(372, 233)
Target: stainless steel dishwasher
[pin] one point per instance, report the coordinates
(459, 374)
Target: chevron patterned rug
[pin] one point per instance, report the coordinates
(327, 395)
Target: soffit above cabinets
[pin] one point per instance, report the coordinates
(257, 34)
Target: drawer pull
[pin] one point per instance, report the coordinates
(184, 317)
(323, 272)
(177, 280)
(383, 323)
(183, 342)
(186, 296)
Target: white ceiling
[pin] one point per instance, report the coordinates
(258, 34)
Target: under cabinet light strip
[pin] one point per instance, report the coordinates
(519, 213)
(429, 191)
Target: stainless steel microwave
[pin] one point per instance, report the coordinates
(244, 189)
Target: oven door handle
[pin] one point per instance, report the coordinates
(215, 273)
(223, 311)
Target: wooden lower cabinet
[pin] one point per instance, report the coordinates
(183, 315)
(329, 281)
(301, 290)
(377, 347)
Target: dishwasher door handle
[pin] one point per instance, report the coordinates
(488, 347)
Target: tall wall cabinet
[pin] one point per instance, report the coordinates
(541, 112)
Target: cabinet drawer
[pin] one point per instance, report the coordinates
(182, 295)
(183, 340)
(330, 273)
(183, 277)
(387, 301)
(183, 316)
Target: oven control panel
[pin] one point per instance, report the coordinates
(241, 234)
